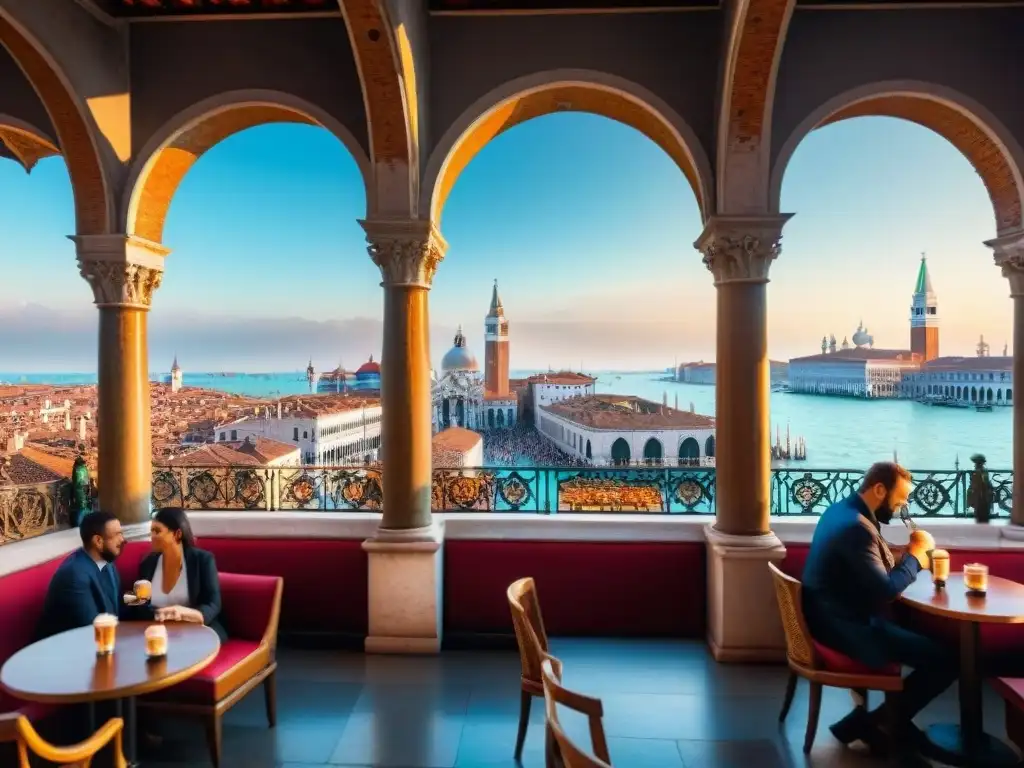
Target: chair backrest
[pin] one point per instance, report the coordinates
(251, 606)
(799, 647)
(555, 693)
(80, 755)
(529, 626)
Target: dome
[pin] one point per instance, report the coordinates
(458, 358)
(369, 367)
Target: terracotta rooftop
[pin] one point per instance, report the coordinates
(214, 455)
(858, 356)
(626, 412)
(308, 406)
(20, 470)
(61, 465)
(263, 449)
(456, 439)
(993, 363)
(562, 377)
(495, 396)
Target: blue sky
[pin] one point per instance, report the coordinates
(586, 223)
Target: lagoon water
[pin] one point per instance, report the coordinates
(840, 433)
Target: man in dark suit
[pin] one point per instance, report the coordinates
(849, 581)
(86, 584)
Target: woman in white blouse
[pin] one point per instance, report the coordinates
(186, 586)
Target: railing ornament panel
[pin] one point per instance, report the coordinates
(31, 510)
(549, 490)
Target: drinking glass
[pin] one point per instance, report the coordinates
(105, 631)
(940, 567)
(976, 578)
(143, 589)
(156, 641)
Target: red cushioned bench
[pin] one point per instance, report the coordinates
(1012, 691)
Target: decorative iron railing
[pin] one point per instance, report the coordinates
(31, 510)
(548, 490)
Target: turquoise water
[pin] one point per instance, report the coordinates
(840, 433)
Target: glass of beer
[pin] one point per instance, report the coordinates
(976, 578)
(940, 567)
(143, 589)
(105, 630)
(156, 641)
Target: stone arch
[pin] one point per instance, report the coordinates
(543, 93)
(689, 451)
(24, 143)
(173, 150)
(620, 453)
(973, 130)
(75, 137)
(653, 450)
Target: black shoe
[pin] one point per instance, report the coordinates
(860, 726)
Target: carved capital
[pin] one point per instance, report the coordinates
(1008, 254)
(122, 270)
(741, 249)
(407, 252)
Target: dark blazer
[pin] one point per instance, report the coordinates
(203, 587)
(847, 587)
(77, 595)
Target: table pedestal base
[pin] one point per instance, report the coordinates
(946, 744)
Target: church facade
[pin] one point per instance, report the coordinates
(462, 395)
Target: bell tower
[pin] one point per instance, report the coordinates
(924, 316)
(496, 347)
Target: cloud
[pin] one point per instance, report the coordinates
(35, 338)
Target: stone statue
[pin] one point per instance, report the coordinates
(980, 493)
(81, 501)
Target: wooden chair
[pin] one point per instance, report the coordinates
(561, 751)
(19, 729)
(820, 665)
(533, 647)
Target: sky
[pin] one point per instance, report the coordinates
(587, 225)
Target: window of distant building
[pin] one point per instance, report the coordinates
(305, 434)
(234, 434)
(223, 435)
(295, 433)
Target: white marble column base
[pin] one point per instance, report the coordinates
(743, 614)
(405, 590)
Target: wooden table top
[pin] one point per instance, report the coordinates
(1003, 604)
(64, 669)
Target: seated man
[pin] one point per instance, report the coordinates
(849, 581)
(86, 584)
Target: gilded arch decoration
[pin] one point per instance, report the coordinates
(978, 135)
(23, 143)
(160, 168)
(545, 93)
(74, 137)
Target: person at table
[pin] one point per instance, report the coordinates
(186, 586)
(850, 579)
(86, 584)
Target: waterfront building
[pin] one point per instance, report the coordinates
(623, 429)
(545, 389)
(974, 380)
(367, 377)
(336, 382)
(704, 373)
(328, 430)
(176, 376)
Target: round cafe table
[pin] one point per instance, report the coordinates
(967, 744)
(64, 669)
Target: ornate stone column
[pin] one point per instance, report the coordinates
(123, 272)
(1008, 251)
(405, 555)
(743, 618)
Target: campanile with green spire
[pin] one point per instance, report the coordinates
(924, 316)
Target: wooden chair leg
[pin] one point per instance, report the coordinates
(787, 702)
(215, 739)
(270, 696)
(813, 711)
(525, 700)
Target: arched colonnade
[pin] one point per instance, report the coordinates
(120, 212)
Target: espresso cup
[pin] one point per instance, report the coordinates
(105, 631)
(143, 589)
(940, 567)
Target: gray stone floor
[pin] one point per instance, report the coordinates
(667, 705)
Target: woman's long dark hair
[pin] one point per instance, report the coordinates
(175, 519)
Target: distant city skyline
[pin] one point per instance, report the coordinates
(587, 225)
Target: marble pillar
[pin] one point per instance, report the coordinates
(743, 617)
(1008, 251)
(124, 272)
(405, 555)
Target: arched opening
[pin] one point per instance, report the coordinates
(546, 93)
(709, 447)
(653, 451)
(589, 454)
(620, 452)
(689, 452)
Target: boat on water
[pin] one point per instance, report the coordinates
(985, 408)
(945, 402)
